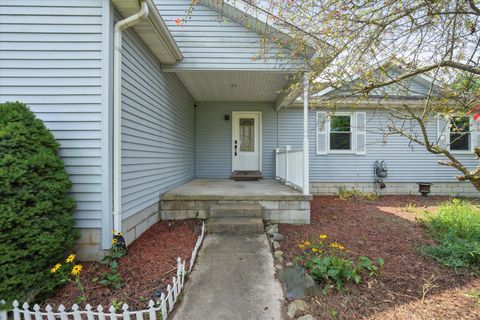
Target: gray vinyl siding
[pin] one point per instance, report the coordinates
(414, 87)
(158, 126)
(211, 41)
(51, 59)
(213, 145)
(406, 162)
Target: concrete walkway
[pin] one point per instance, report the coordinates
(232, 279)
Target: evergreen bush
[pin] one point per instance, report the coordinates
(36, 213)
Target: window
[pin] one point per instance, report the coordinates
(247, 135)
(340, 135)
(460, 134)
(341, 132)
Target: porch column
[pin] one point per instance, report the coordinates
(306, 180)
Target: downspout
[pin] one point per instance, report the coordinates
(306, 168)
(117, 111)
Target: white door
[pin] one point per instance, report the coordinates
(246, 141)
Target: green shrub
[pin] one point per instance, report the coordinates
(457, 228)
(354, 194)
(36, 221)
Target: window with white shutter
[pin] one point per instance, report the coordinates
(458, 134)
(341, 132)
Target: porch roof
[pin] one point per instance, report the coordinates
(217, 58)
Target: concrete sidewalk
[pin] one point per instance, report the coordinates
(232, 279)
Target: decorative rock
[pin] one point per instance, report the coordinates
(271, 229)
(276, 245)
(278, 267)
(278, 255)
(276, 236)
(306, 317)
(295, 306)
(289, 264)
(298, 283)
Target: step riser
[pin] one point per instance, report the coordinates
(256, 228)
(235, 213)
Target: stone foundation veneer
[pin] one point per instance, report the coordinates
(135, 225)
(88, 247)
(453, 189)
(282, 211)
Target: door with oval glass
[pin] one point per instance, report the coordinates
(246, 141)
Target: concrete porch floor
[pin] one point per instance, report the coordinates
(227, 189)
(196, 198)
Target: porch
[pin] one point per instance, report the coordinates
(195, 199)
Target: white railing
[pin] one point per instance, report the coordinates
(156, 310)
(289, 166)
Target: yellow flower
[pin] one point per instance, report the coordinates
(76, 269)
(323, 236)
(301, 246)
(307, 243)
(55, 268)
(314, 250)
(70, 258)
(114, 240)
(337, 246)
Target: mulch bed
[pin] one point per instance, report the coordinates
(148, 267)
(384, 228)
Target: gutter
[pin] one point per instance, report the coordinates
(117, 111)
(162, 31)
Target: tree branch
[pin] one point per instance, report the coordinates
(406, 75)
(472, 5)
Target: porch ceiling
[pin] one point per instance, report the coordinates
(234, 86)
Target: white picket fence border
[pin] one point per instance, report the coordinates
(195, 250)
(162, 307)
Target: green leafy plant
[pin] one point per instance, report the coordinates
(69, 271)
(112, 277)
(117, 304)
(456, 227)
(354, 194)
(36, 212)
(328, 262)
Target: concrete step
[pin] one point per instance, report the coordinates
(235, 225)
(237, 210)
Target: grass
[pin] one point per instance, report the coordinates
(474, 294)
(456, 227)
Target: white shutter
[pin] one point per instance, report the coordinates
(322, 132)
(443, 131)
(360, 133)
(475, 133)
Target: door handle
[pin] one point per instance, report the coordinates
(235, 146)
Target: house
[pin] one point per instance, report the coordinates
(195, 101)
